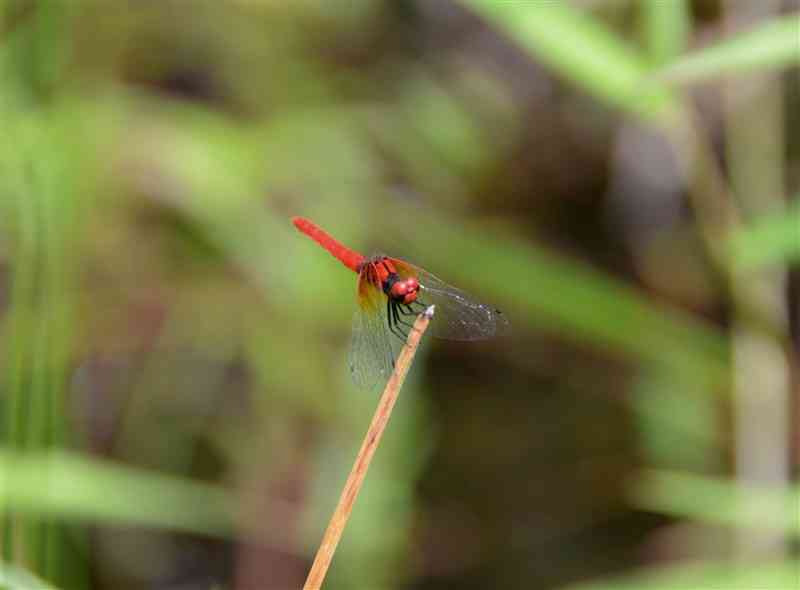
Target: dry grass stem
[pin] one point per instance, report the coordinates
(356, 478)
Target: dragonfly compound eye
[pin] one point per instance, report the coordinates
(411, 290)
(399, 290)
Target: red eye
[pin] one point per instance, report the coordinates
(413, 284)
(399, 289)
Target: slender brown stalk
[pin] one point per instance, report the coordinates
(356, 478)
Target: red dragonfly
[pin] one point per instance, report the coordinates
(390, 292)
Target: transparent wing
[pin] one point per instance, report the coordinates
(372, 351)
(458, 315)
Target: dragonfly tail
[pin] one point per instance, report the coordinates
(350, 258)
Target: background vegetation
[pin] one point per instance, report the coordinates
(617, 175)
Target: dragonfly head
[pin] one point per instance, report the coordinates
(405, 291)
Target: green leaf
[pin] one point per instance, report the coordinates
(72, 487)
(582, 51)
(775, 575)
(771, 239)
(718, 501)
(775, 44)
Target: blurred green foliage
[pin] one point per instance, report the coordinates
(770, 240)
(583, 50)
(174, 352)
(769, 576)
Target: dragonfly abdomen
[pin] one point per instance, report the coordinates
(350, 258)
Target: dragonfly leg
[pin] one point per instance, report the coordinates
(392, 320)
(407, 310)
(398, 310)
(402, 321)
(405, 323)
(397, 331)
(422, 305)
(404, 310)
(397, 321)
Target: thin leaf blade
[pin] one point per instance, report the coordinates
(774, 45)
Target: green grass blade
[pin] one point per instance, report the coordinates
(775, 44)
(582, 51)
(71, 487)
(666, 27)
(41, 168)
(717, 501)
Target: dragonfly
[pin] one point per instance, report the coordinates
(391, 292)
